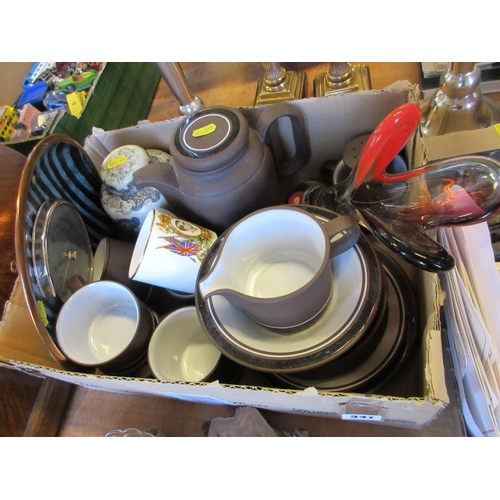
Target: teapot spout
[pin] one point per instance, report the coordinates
(160, 175)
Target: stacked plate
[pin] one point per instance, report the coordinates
(395, 338)
(358, 291)
(363, 335)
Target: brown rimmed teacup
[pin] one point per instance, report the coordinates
(111, 262)
(104, 325)
(181, 351)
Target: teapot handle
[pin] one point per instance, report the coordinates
(302, 151)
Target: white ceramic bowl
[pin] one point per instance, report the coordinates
(180, 351)
(104, 325)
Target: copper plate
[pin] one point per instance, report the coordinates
(57, 168)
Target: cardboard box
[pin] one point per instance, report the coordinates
(414, 398)
(484, 141)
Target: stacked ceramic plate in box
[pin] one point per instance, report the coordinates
(363, 331)
(391, 343)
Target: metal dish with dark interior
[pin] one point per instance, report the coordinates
(59, 169)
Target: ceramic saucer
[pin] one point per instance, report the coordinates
(390, 353)
(356, 294)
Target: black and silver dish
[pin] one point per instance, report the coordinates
(61, 249)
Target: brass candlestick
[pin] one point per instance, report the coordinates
(173, 75)
(342, 78)
(278, 85)
(458, 103)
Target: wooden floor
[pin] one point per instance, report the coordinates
(33, 406)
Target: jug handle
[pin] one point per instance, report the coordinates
(343, 232)
(302, 152)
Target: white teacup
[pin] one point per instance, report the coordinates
(180, 350)
(169, 251)
(104, 325)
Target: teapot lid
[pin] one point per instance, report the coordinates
(207, 132)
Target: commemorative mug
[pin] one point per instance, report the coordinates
(169, 251)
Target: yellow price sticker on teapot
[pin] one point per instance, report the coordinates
(117, 161)
(207, 129)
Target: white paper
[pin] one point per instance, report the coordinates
(479, 261)
(472, 288)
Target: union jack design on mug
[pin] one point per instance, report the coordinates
(184, 248)
(184, 238)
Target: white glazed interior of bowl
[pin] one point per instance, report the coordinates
(270, 254)
(180, 350)
(97, 323)
(349, 295)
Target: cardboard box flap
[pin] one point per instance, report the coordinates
(19, 339)
(385, 410)
(485, 140)
(147, 135)
(327, 128)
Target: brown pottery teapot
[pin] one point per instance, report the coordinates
(222, 169)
